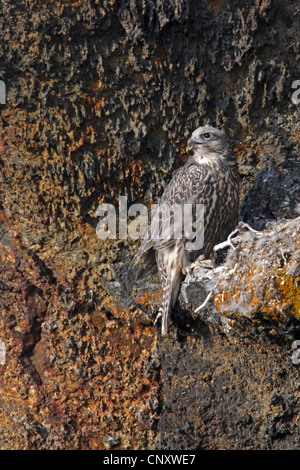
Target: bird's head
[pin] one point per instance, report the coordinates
(209, 140)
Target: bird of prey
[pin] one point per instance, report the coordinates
(209, 180)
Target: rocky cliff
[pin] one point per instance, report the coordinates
(101, 97)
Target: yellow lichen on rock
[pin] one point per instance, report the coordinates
(263, 282)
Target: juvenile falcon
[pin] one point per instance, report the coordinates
(208, 180)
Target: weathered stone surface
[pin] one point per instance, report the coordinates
(78, 374)
(262, 275)
(231, 370)
(101, 97)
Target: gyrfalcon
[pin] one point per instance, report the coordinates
(208, 181)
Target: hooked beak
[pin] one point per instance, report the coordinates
(193, 142)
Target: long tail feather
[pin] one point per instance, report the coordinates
(170, 278)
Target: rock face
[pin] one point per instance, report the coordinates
(100, 99)
(231, 370)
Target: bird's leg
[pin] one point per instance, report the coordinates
(200, 262)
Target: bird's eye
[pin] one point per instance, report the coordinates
(206, 136)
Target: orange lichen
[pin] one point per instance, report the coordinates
(158, 62)
(242, 149)
(149, 299)
(219, 300)
(290, 290)
(76, 140)
(134, 169)
(276, 295)
(96, 104)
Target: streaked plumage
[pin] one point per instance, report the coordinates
(209, 177)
